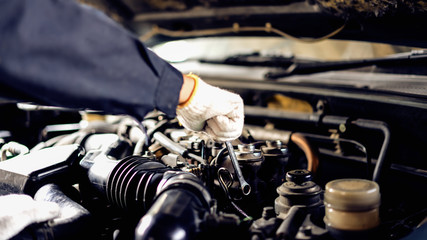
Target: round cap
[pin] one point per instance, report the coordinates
(298, 176)
(352, 194)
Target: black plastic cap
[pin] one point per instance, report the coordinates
(298, 176)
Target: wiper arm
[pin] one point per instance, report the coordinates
(254, 59)
(299, 67)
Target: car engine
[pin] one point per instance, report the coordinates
(289, 176)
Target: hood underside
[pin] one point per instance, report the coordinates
(389, 21)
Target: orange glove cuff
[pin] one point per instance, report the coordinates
(193, 92)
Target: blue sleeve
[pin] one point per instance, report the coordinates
(60, 53)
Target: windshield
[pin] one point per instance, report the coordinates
(222, 47)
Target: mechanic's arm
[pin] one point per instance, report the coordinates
(57, 52)
(61, 53)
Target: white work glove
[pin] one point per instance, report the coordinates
(17, 211)
(216, 111)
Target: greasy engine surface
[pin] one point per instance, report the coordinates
(116, 179)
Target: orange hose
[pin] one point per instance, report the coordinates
(310, 153)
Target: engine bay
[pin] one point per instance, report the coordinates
(118, 178)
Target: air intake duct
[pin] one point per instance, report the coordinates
(133, 183)
(163, 196)
(179, 208)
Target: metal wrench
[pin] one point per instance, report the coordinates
(246, 188)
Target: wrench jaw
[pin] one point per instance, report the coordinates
(244, 186)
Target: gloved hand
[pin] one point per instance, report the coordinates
(216, 111)
(17, 211)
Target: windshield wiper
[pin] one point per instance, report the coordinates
(254, 59)
(304, 67)
(294, 66)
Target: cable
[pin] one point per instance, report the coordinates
(225, 185)
(236, 28)
(357, 145)
(141, 142)
(379, 126)
(14, 148)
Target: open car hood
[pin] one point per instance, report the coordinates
(390, 21)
